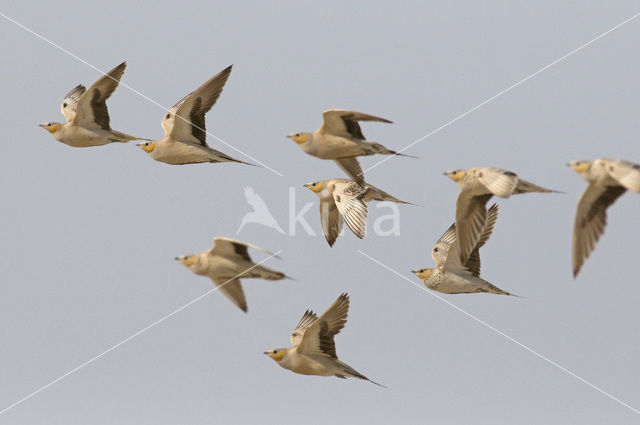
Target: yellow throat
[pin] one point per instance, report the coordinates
(53, 128)
(148, 147)
(187, 260)
(455, 175)
(580, 166)
(276, 355)
(299, 138)
(315, 186)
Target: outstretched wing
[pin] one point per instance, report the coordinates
(341, 122)
(591, 219)
(352, 167)
(91, 109)
(318, 336)
(233, 290)
(68, 105)
(188, 114)
(626, 173)
(228, 247)
(307, 319)
(353, 209)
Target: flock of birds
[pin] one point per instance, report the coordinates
(456, 253)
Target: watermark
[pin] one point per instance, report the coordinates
(385, 221)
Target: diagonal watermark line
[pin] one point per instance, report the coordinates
(124, 341)
(508, 89)
(482, 322)
(57, 46)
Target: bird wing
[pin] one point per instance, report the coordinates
(351, 166)
(233, 290)
(353, 209)
(499, 182)
(626, 173)
(190, 110)
(307, 319)
(332, 221)
(91, 109)
(473, 263)
(591, 219)
(441, 248)
(471, 219)
(68, 105)
(228, 247)
(340, 122)
(317, 338)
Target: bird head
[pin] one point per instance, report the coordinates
(276, 354)
(299, 138)
(580, 167)
(315, 186)
(51, 127)
(187, 260)
(422, 273)
(455, 175)
(148, 147)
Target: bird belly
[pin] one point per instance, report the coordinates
(452, 283)
(177, 153)
(334, 147)
(81, 137)
(305, 365)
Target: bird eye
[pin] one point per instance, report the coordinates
(435, 249)
(64, 105)
(166, 117)
(49, 124)
(275, 351)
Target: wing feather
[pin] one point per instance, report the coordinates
(591, 219)
(91, 109)
(318, 336)
(188, 114)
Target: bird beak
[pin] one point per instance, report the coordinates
(176, 258)
(41, 125)
(139, 144)
(445, 173)
(266, 352)
(289, 136)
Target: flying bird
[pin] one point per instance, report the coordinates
(345, 200)
(260, 213)
(477, 186)
(313, 350)
(608, 180)
(450, 276)
(88, 122)
(340, 139)
(185, 130)
(228, 262)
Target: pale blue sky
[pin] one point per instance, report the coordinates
(90, 234)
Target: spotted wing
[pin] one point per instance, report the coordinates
(307, 319)
(68, 105)
(351, 207)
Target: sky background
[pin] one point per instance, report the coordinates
(89, 235)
